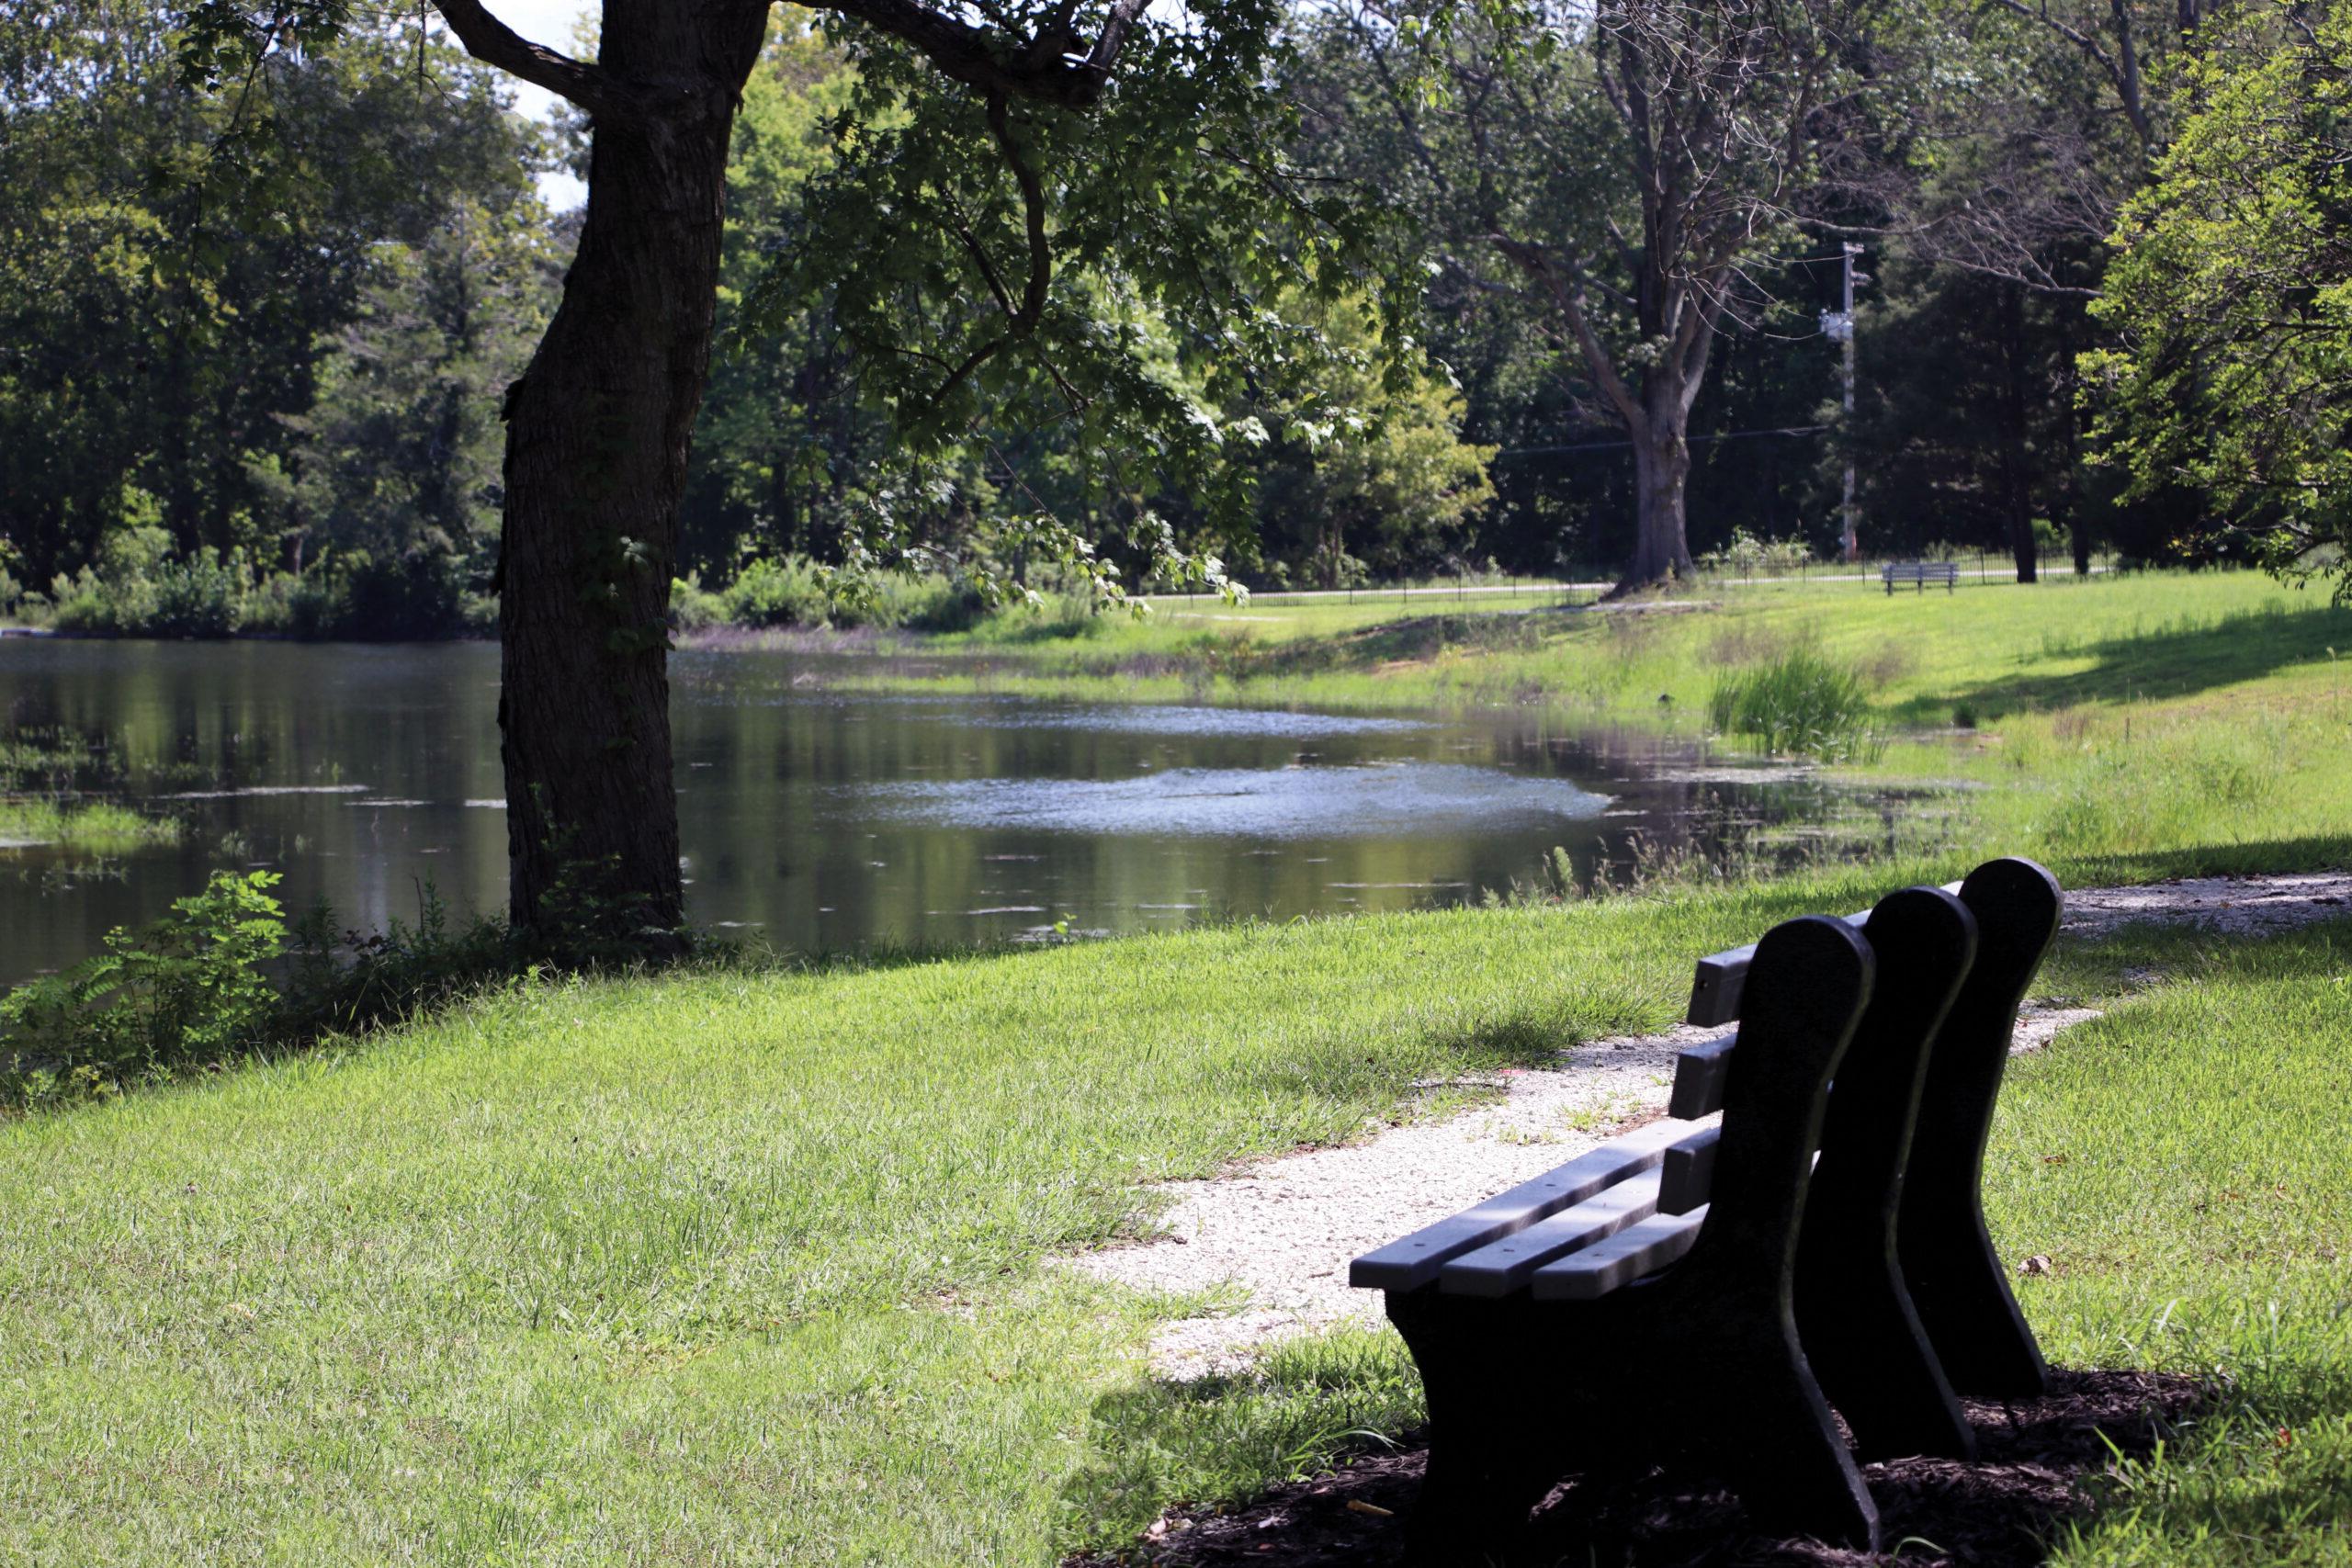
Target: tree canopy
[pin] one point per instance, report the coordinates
(2232, 299)
(296, 360)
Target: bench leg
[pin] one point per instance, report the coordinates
(1499, 1434)
(1870, 1351)
(1954, 1276)
(1780, 1447)
(1861, 1332)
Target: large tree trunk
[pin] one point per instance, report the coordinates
(1661, 474)
(595, 464)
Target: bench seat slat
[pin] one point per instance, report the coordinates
(1502, 1267)
(1638, 1249)
(1414, 1260)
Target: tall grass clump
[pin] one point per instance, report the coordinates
(97, 825)
(1800, 703)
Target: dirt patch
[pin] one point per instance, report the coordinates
(2039, 1460)
(2039, 1024)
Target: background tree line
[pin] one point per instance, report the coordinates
(252, 381)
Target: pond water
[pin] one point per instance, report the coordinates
(819, 819)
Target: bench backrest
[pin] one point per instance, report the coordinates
(1642, 1201)
(1639, 1203)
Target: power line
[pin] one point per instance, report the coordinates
(1693, 441)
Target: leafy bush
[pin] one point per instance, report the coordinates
(1802, 703)
(923, 605)
(415, 596)
(186, 988)
(693, 607)
(787, 593)
(792, 590)
(198, 987)
(309, 608)
(1744, 555)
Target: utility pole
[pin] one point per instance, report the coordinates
(1838, 327)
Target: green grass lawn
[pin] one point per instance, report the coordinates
(751, 1266)
(2186, 1163)
(745, 1264)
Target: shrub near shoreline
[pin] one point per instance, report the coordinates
(137, 588)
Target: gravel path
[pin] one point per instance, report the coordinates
(1281, 1232)
(2241, 905)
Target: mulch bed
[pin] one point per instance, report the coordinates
(1998, 1510)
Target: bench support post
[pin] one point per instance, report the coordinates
(1955, 1277)
(1860, 1331)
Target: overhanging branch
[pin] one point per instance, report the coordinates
(492, 43)
(1052, 67)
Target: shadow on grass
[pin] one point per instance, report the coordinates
(1340, 1499)
(2258, 857)
(2177, 660)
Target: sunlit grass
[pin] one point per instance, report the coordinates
(2186, 1164)
(753, 1265)
(1993, 650)
(712, 1266)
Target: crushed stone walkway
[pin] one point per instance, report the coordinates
(1276, 1237)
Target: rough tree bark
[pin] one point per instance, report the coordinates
(596, 443)
(1661, 474)
(597, 427)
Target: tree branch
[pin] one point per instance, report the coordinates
(492, 43)
(1033, 198)
(1048, 67)
(1532, 260)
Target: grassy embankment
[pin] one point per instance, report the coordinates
(2120, 726)
(751, 1266)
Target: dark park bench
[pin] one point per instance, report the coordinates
(1922, 572)
(1701, 1295)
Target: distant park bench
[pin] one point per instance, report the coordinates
(1922, 572)
(1689, 1293)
